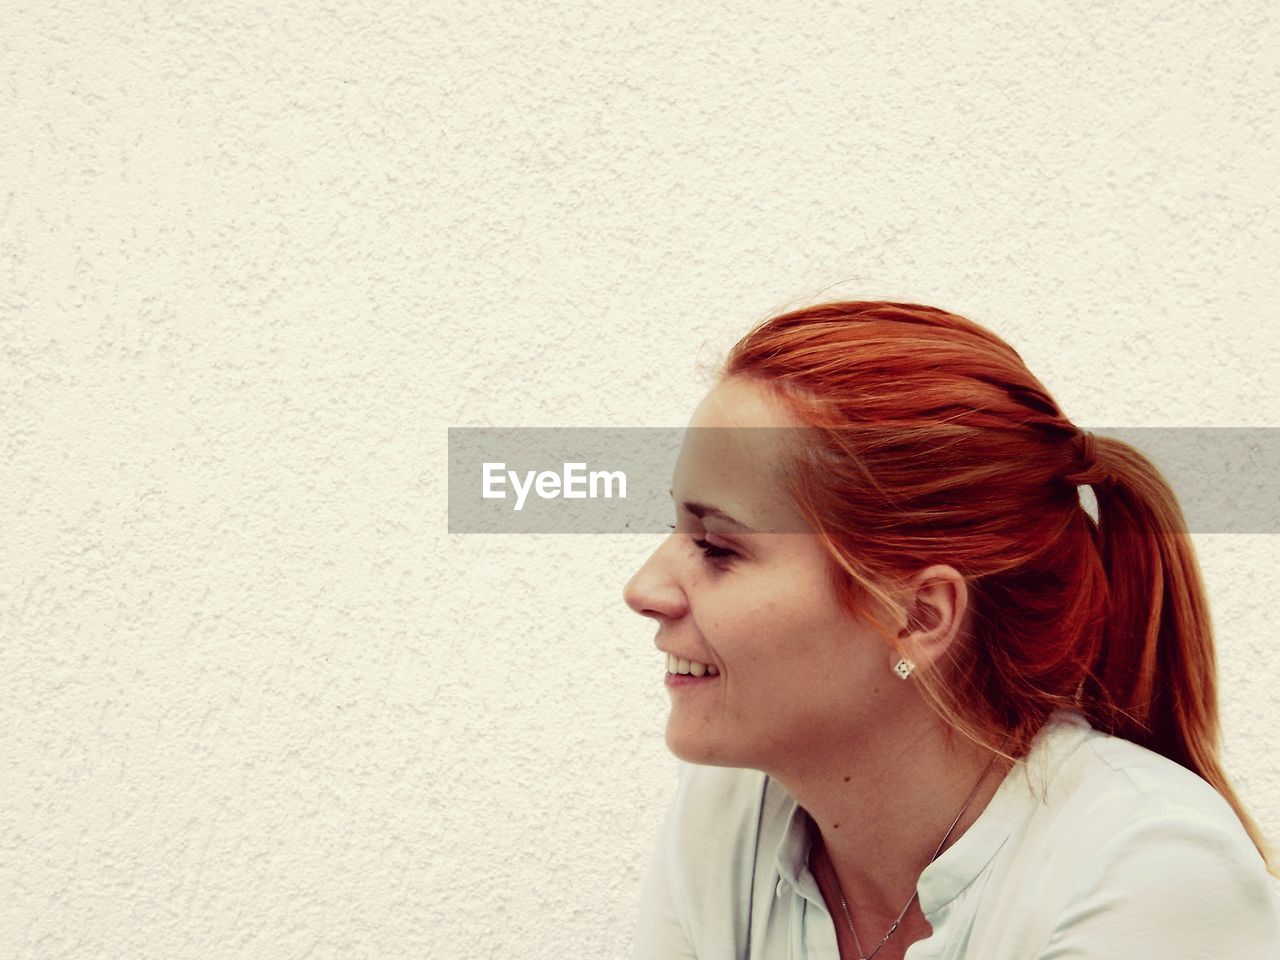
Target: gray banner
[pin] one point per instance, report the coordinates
(617, 480)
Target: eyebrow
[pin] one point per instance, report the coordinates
(701, 510)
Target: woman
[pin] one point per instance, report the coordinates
(928, 707)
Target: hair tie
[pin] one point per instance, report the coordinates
(1087, 470)
(1088, 450)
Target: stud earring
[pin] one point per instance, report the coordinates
(903, 668)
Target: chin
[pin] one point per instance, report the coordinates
(700, 750)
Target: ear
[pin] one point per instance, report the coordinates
(936, 600)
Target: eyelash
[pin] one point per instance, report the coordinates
(709, 550)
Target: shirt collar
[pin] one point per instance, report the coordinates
(793, 850)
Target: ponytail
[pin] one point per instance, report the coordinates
(1154, 677)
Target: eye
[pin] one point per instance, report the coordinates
(709, 550)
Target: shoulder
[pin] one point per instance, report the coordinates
(1099, 785)
(1123, 844)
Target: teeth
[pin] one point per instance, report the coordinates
(691, 667)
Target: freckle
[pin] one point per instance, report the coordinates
(837, 826)
(846, 779)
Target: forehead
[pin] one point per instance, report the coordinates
(736, 402)
(734, 454)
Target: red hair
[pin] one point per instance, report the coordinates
(933, 443)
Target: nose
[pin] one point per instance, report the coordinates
(652, 590)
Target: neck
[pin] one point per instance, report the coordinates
(883, 804)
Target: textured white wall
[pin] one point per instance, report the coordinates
(257, 257)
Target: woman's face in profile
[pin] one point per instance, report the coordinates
(730, 589)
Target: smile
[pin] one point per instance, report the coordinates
(690, 667)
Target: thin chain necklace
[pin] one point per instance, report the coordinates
(845, 906)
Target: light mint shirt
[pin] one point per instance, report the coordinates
(1092, 848)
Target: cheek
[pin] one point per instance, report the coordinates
(772, 640)
(770, 617)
